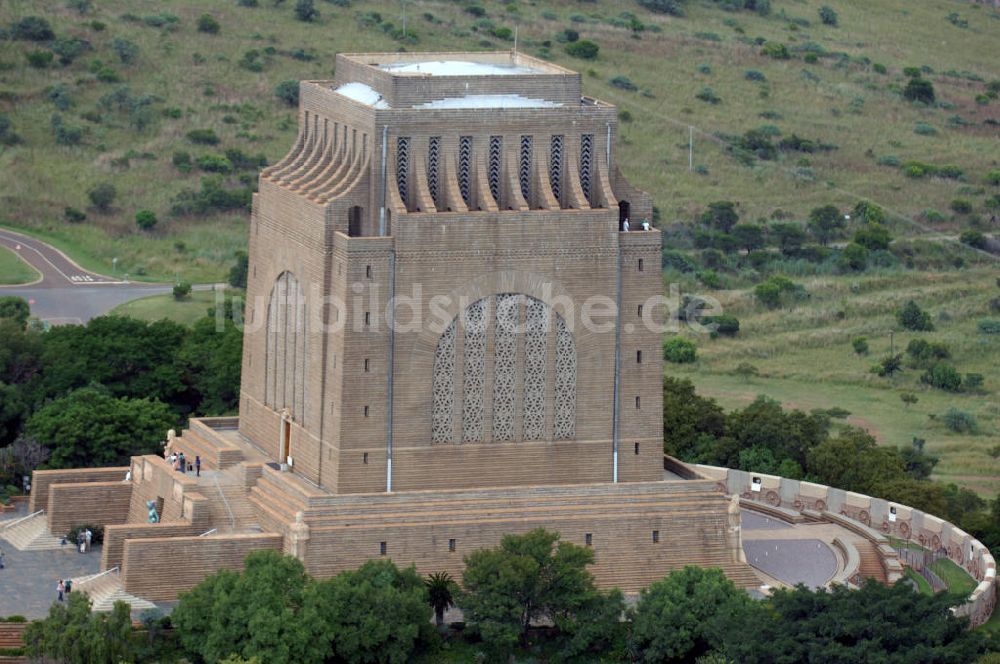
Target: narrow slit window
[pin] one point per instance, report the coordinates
(640, 265)
(368, 318)
(366, 411)
(589, 539)
(638, 357)
(639, 311)
(637, 448)
(368, 271)
(381, 548)
(367, 365)
(364, 459)
(638, 403)
(656, 537)
(451, 544)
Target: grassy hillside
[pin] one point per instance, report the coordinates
(806, 360)
(181, 79)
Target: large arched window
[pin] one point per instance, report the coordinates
(522, 390)
(285, 365)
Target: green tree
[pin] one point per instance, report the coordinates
(305, 10)
(943, 376)
(126, 50)
(919, 89)
(860, 345)
(854, 462)
(789, 236)
(827, 15)
(908, 399)
(103, 196)
(210, 358)
(854, 257)
(181, 290)
(746, 371)
(208, 24)
(238, 272)
(720, 216)
(145, 220)
(527, 579)
(679, 350)
(91, 428)
(271, 610)
(826, 223)
(378, 613)
(691, 423)
(749, 236)
(583, 49)
(441, 591)
(867, 212)
(15, 309)
(878, 623)
(73, 634)
(912, 317)
(686, 615)
(288, 92)
(873, 236)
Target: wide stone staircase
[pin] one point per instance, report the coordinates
(871, 562)
(228, 501)
(30, 533)
(106, 588)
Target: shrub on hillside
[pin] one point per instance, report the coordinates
(32, 28)
(145, 220)
(919, 89)
(827, 15)
(214, 163)
(669, 7)
(208, 24)
(853, 257)
(679, 350)
(874, 237)
(942, 376)
(623, 83)
(960, 421)
(126, 50)
(860, 345)
(989, 326)
(725, 325)
(888, 365)
(583, 49)
(925, 351)
(182, 161)
(305, 10)
(961, 206)
(7, 135)
(39, 59)
(974, 239)
(720, 216)
(73, 216)
(912, 317)
(103, 196)
(775, 50)
(708, 95)
(203, 137)
(777, 290)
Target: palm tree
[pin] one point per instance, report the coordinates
(440, 593)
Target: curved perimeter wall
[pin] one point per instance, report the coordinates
(911, 524)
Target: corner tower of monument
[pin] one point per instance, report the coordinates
(481, 193)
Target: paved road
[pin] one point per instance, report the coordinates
(66, 292)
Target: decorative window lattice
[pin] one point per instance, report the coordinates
(474, 383)
(555, 166)
(505, 366)
(565, 406)
(464, 166)
(586, 164)
(524, 168)
(442, 426)
(536, 332)
(496, 153)
(402, 166)
(433, 157)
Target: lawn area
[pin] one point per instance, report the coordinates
(923, 587)
(157, 307)
(957, 579)
(13, 270)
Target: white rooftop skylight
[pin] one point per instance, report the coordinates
(363, 93)
(489, 101)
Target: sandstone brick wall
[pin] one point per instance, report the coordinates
(160, 568)
(92, 503)
(154, 479)
(41, 480)
(115, 536)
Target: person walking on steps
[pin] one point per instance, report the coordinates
(69, 586)
(197, 465)
(60, 588)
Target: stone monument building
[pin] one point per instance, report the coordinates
(451, 334)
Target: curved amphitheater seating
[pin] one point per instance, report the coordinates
(876, 520)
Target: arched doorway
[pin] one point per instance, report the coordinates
(623, 214)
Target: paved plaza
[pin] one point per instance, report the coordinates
(808, 561)
(28, 583)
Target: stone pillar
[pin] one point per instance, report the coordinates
(299, 537)
(735, 534)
